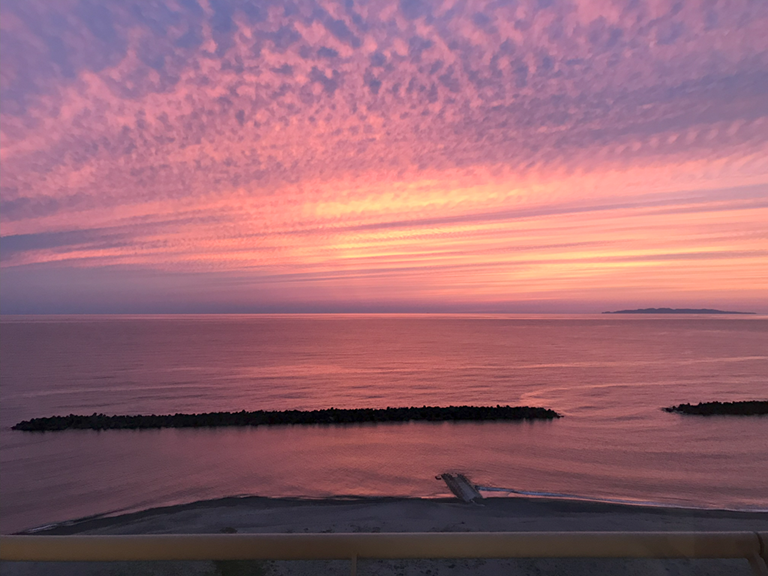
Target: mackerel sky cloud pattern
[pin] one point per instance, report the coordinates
(416, 155)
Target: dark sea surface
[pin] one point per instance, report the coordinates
(609, 375)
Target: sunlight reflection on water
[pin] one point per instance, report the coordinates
(609, 376)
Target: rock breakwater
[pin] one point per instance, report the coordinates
(270, 418)
(745, 408)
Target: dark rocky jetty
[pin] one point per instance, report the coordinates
(269, 418)
(676, 311)
(746, 408)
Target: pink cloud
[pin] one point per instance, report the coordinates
(413, 152)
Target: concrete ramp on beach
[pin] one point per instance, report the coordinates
(461, 487)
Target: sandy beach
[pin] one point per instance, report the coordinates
(266, 515)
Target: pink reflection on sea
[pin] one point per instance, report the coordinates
(607, 376)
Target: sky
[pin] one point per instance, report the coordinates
(520, 156)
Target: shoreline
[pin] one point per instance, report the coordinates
(255, 514)
(344, 515)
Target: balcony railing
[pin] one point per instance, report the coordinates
(752, 546)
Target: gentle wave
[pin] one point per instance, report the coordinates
(646, 503)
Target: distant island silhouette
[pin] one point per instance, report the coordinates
(269, 418)
(744, 408)
(676, 311)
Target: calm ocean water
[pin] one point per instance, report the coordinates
(608, 375)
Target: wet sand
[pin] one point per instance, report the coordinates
(265, 515)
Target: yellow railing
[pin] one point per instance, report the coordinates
(749, 545)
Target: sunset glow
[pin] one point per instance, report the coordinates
(529, 156)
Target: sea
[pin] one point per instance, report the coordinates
(608, 375)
